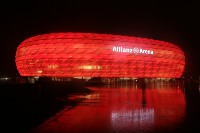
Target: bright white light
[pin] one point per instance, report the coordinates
(40, 71)
(89, 67)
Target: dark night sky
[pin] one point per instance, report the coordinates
(177, 23)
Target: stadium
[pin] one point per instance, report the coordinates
(87, 55)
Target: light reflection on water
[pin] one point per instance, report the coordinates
(123, 108)
(132, 119)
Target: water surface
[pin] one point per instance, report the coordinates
(123, 107)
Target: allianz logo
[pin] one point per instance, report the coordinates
(134, 50)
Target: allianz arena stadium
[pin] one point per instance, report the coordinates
(98, 55)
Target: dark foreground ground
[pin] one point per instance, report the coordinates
(192, 94)
(25, 106)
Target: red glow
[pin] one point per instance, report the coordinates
(121, 110)
(92, 55)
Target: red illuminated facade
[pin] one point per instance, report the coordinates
(98, 55)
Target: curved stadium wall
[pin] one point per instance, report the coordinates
(98, 55)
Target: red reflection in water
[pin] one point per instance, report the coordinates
(119, 109)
